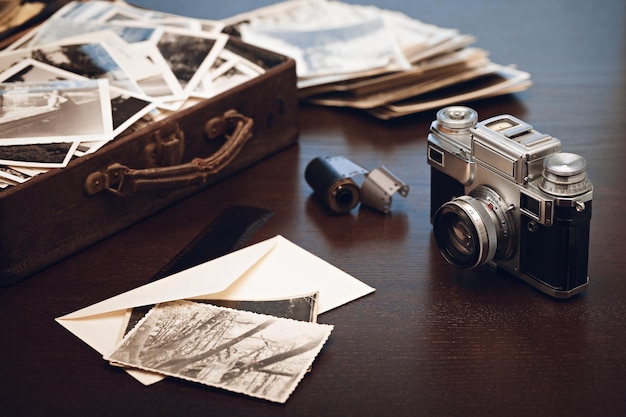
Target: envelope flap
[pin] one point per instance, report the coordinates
(291, 270)
(211, 277)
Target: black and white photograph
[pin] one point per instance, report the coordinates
(254, 354)
(32, 71)
(303, 308)
(223, 63)
(189, 55)
(130, 57)
(163, 87)
(43, 155)
(61, 111)
(233, 76)
(28, 170)
(91, 60)
(86, 148)
(126, 107)
(226, 61)
(10, 58)
(11, 175)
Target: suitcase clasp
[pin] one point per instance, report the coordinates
(167, 149)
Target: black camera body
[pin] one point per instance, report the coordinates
(504, 195)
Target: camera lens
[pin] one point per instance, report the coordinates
(473, 230)
(459, 235)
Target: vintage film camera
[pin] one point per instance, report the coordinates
(504, 194)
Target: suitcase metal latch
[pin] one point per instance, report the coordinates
(166, 150)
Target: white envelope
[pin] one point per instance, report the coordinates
(272, 269)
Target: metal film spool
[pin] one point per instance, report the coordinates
(343, 196)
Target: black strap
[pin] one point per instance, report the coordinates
(227, 233)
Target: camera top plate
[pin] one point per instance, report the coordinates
(512, 147)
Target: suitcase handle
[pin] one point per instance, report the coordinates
(124, 181)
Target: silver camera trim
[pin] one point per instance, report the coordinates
(454, 151)
(545, 210)
(511, 147)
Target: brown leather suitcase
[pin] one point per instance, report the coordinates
(148, 169)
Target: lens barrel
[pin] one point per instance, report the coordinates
(473, 230)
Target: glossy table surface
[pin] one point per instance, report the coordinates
(432, 340)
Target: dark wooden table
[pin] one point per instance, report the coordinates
(431, 340)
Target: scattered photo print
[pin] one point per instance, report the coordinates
(162, 87)
(44, 155)
(85, 148)
(234, 76)
(5, 184)
(91, 60)
(249, 353)
(29, 171)
(189, 55)
(12, 175)
(303, 308)
(51, 112)
(32, 71)
(126, 107)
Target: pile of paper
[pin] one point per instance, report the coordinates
(380, 61)
(95, 69)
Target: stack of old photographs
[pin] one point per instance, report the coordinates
(96, 69)
(380, 61)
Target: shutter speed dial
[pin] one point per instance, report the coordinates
(565, 175)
